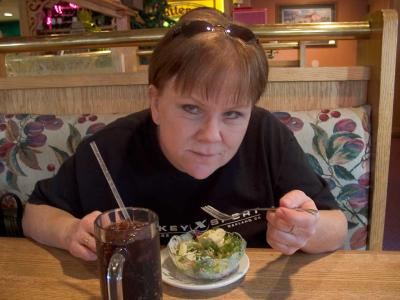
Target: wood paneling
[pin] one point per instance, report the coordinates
(379, 51)
(394, 4)
(288, 89)
(396, 105)
(3, 71)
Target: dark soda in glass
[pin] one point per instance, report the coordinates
(139, 242)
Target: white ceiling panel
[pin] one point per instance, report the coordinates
(9, 6)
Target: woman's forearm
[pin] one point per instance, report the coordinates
(48, 225)
(330, 232)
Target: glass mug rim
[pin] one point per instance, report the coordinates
(97, 222)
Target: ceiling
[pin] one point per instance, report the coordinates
(10, 6)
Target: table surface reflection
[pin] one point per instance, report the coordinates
(32, 271)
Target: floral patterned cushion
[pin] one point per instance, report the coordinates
(32, 147)
(337, 144)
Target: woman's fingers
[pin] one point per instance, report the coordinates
(296, 198)
(87, 221)
(290, 229)
(293, 237)
(83, 252)
(82, 243)
(280, 244)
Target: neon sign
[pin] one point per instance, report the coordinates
(176, 9)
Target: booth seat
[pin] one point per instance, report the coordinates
(336, 142)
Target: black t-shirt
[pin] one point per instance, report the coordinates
(268, 164)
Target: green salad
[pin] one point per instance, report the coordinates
(211, 255)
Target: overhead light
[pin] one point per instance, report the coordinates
(8, 14)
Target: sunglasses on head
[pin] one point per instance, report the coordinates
(194, 27)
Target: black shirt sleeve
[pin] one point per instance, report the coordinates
(61, 191)
(79, 187)
(288, 165)
(296, 173)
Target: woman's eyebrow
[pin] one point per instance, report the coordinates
(192, 99)
(200, 102)
(239, 106)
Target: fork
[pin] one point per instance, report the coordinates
(212, 211)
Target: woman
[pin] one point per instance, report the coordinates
(203, 141)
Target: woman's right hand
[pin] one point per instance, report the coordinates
(80, 237)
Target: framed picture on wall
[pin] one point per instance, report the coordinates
(308, 13)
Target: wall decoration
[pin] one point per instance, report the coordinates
(308, 13)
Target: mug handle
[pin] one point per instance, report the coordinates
(114, 275)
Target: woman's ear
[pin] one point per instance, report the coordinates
(154, 104)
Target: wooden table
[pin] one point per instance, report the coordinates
(32, 271)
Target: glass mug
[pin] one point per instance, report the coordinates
(128, 254)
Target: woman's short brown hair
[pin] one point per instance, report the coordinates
(210, 62)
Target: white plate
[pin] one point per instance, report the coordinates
(172, 276)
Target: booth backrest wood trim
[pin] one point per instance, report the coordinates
(293, 89)
(379, 52)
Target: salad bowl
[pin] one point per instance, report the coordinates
(211, 255)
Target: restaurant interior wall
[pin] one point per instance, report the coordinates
(345, 51)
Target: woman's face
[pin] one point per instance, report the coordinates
(198, 136)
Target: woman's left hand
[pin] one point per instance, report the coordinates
(289, 230)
